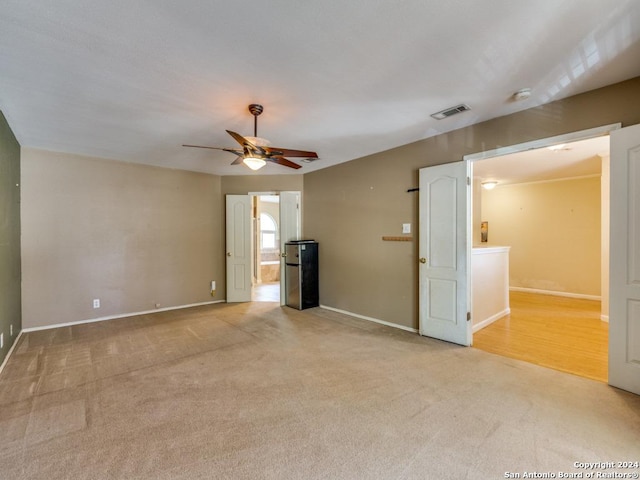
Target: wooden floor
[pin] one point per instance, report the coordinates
(266, 292)
(565, 334)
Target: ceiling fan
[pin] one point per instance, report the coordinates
(256, 152)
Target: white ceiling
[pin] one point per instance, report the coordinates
(133, 81)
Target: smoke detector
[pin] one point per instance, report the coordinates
(522, 94)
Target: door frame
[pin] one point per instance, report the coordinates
(281, 228)
(544, 142)
(535, 144)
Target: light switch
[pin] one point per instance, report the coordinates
(406, 228)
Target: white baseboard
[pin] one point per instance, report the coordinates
(371, 319)
(115, 317)
(557, 294)
(490, 320)
(6, 359)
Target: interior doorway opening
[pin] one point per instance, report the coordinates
(244, 264)
(266, 248)
(545, 208)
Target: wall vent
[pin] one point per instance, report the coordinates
(447, 112)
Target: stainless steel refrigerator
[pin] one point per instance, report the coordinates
(301, 274)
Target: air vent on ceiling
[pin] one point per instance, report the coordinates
(450, 111)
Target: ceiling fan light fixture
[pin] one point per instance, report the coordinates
(255, 151)
(254, 163)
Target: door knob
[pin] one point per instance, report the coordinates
(228, 254)
(423, 260)
(283, 255)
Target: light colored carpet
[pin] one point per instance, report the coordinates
(258, 391)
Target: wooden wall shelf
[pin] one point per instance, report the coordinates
(397, 239)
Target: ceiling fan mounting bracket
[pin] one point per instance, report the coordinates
(255, 109)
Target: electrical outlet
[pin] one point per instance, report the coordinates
(11, 329)
(406, 228)
(1, 340)
(213, 288)
(96, 303)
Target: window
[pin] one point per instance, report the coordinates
(268, 232)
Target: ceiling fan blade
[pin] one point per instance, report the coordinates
(232, 150)
(282, 161)
(240, 139)
(287, 152)
(238, 160)
(202, 146)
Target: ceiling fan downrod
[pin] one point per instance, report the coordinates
(255, 110)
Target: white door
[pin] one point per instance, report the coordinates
(624, 280)
(289, 230)
(238, 248)
(443, 279)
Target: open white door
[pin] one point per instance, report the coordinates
(443, 277)
(289, 230)
(238, 248)
(624, 280)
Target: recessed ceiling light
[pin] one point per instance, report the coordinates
(489, 185)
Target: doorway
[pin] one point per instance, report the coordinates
(621, 265)
(551, 208)
(266, 251)
(244, 265)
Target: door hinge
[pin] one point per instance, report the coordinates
(468, 180)
(468, 316)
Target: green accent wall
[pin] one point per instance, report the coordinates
(10, 262)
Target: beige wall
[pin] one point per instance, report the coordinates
(131, 235)
(10, 303)
(553, 229)
(243, 184)
(347, 208)
(135, 236)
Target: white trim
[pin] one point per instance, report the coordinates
(557, 294)
(552, 180)
(115, 317)
(486, 250)
(371, 319)
(6, 359)
(544, 142)
(491, 319)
